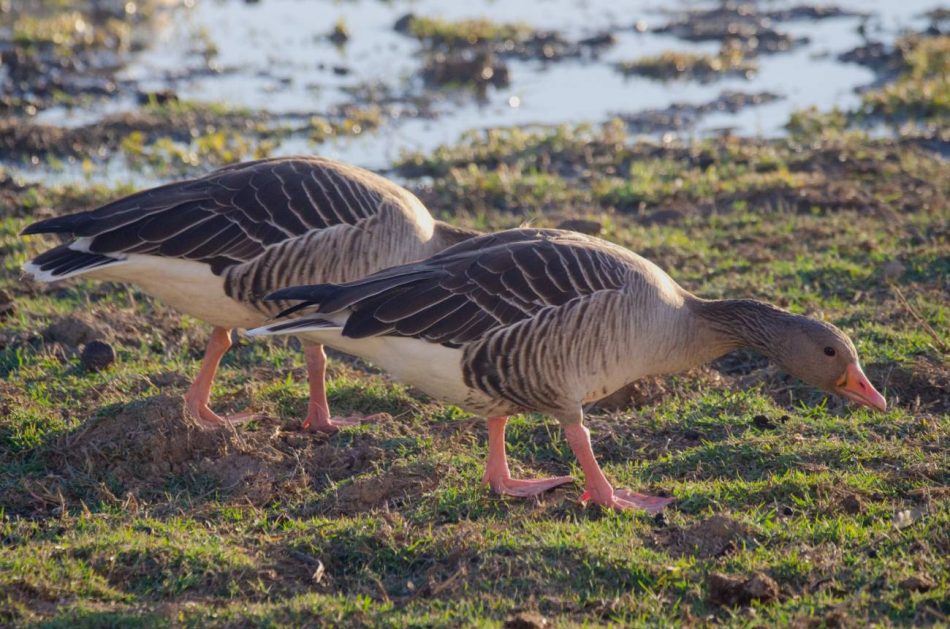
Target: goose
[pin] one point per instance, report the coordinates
(546, 321)
(212, 247)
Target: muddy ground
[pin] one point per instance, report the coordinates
(791, 507)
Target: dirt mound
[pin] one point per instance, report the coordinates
(731, 591)
(77, 329)
(150, 444)
(714, 537)
(399, 483)
(922, 386)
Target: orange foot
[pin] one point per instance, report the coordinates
(320, 422)
(508, 486)
(622, 499)
(209, 419)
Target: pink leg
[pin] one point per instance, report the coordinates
(318, 410)
(497, 474)
(199, 393)
(598, 489)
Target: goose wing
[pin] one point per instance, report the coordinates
(230, 215)
(468, 290)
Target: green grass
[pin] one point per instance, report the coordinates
(114, 512)
(922, 92)
(677, 65)
(452, 34)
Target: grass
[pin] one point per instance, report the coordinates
(705, 67)
(922, 92)
(114, 512)
(439, 32)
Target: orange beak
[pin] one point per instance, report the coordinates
(855, 386)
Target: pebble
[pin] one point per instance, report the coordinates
(97, 356)
(917, 583)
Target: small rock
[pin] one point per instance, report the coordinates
(7, 306)
(763, 423)
(75, 331)
(526, 620)
(97, 356)
(731, 591)
(907, 517)
(852, 504)
(917, 583)
(582, 225)
(892, 270)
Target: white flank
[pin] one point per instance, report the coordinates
(431, 367)
(185, 285)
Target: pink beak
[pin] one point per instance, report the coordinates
(855, 386)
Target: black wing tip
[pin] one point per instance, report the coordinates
(58, 224)
(286, 312)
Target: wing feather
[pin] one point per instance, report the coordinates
(468, 290)
(230, 215)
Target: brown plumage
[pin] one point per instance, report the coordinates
(214, 246)
(547, 320)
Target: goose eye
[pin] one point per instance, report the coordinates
(830, 351)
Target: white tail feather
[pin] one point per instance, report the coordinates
(295, 327)
(39, 275)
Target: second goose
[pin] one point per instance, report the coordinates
(546, 321)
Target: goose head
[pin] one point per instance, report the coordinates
(823, 356)
(814, 351)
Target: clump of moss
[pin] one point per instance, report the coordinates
(438, 32)
(70, 30)
(812, 123)
(166, 155)
(703, 67)
(922, 90)
(352, 121)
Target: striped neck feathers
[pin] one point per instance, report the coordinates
(731, 324)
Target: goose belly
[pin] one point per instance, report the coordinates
(432, 368)
(185, 285)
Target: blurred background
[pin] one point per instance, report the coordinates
(793, 151)
(370, 81)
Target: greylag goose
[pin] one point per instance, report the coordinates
(214, 246)
(546, 321)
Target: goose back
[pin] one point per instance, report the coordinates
(214, 246)
(544, 319)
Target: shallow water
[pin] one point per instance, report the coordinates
(274, 55)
